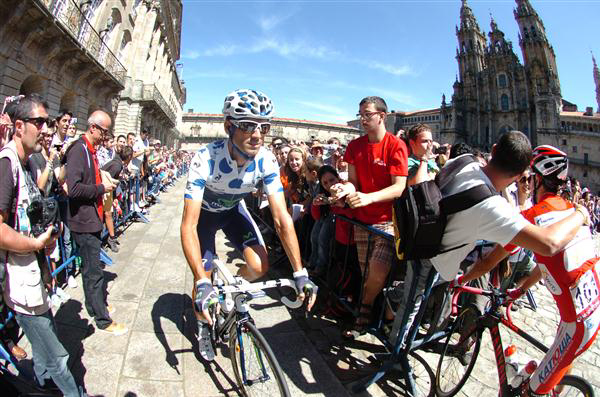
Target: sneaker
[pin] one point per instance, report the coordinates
(55, 301)
(112, 244)
(204, 343)
(62, 295)
(71, 282)
(115, 329)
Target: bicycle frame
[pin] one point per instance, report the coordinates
(241, 294)
(491, 319)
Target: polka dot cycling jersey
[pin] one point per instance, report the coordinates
(216, 180)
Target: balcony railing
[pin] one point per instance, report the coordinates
(70, 17)
(151, 93)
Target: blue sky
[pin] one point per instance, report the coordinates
(317, 59)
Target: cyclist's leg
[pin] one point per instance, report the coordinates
(243, 233)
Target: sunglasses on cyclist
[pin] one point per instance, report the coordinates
(249, 126)
(524, 179)
(37, 121)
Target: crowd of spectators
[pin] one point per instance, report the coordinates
(309, 170)
(93, 179)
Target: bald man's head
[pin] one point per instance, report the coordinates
(99, 124)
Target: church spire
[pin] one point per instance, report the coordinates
(471, 44)
(596, 80)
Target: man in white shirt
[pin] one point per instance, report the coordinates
(493, 219)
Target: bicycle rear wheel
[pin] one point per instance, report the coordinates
(256, 369)
(574, 386)
(459, 353)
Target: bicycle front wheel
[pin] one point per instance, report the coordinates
(574, 386)
(256, 369)
(459, 353)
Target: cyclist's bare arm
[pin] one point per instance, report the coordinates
(284, 226)
(531, 280)
(189, 238)
(548, 241)
(485, 264)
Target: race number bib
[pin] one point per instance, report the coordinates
(586, 294)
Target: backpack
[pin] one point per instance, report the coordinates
(421, 212)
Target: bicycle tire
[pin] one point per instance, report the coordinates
(575, 386)
(452, 373)
(254, 346)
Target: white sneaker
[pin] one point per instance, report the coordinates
(55, 301)
(71, 282)
(62, 295)
(204, 343)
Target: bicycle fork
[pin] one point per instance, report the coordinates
(265, 376)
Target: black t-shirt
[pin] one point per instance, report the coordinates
(114, 167)
(7, 186)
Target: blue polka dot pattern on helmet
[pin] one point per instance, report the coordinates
(248, 103)
(220, 186)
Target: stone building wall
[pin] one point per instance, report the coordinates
(81, 56)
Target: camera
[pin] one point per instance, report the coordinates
(439, 150)
(42, 214)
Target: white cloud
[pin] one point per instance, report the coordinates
(223, 50)
(391, 69)
(190, 55)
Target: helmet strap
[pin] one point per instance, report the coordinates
(244, 155)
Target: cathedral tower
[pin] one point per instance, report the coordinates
(540, 66)
(471, 45)
(597, 81)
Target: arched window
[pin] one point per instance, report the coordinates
(32, 85)
(502, 80)
(124, 47)
(504, 103)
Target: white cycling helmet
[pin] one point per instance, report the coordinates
(550, 162)
(245, 103)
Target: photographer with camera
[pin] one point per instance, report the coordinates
(86, 187)
(25, 290)
(421, 162)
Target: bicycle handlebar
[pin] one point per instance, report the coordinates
(264, 285)
(494, 293)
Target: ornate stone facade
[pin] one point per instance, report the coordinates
(86, 55)
(494, 92)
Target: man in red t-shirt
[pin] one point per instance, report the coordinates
(377, 170)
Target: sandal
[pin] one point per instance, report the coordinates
(360, 324)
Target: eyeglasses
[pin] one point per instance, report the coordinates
(249, 126)
(37, 121)
(524, 179)
(366, 115)
(102, 129)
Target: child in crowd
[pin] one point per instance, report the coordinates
(345, 260)
(294, 181)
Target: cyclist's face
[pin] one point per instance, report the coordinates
(249, 142)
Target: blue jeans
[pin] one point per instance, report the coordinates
(49, 356)
(63, 207)
(320, 242)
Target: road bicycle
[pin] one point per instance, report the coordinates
(256, 368)
(462, 345)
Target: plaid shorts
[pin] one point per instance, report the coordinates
(380, 249)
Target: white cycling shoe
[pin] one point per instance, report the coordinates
(204, 343)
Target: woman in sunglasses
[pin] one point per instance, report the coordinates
(221, 174)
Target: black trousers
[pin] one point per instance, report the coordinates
(93, 277)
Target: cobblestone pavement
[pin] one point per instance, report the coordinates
(150, 284)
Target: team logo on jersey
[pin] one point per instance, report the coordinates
(380, 162)
(556, 357)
